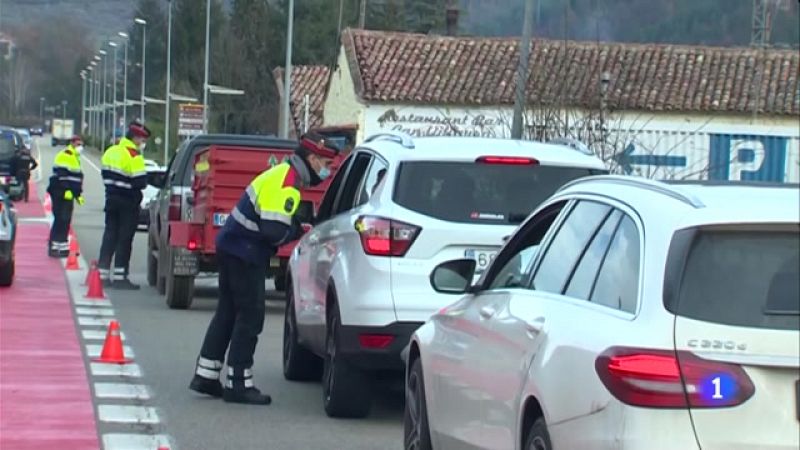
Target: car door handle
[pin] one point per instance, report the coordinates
(487, 312)
(535, 327)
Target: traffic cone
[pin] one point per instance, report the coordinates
(92, 268)
(48, 204)
(95, 285)
(113, 352)
(72, 259)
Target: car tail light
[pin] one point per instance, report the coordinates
(174, 207)
(508, 160)
(385, 237)
(375, 340)
(192, 244)
(667, 379)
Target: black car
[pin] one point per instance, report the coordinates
(11, 144)
(8, 235)
(37, 131)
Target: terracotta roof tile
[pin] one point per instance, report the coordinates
(306, 80)
(415, 68)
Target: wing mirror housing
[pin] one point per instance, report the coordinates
(453, 277)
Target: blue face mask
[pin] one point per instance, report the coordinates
(324, 173)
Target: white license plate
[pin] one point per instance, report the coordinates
(482, 258)
(220, 218)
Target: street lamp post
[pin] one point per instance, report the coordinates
(103, 101)
(83, 101)
(124, 35)
(287, 78)
(114, 93)
(169, 75)
(205, 79)
(41, 111)
(63, 110)
(143, 23)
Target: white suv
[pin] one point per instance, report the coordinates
(624, 313)
(358, 281)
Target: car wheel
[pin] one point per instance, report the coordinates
(416, 432)
(152, 264)
(7, 274)
(180, 289)
(345, 389)
(538, 437)
(299, 364)
(161, 280)
(280, 282)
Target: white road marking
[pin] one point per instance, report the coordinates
(104, 303)
(107, 312)
(127, 414)
(94, 350)
(34, 220)
(119, 441)
(97, 335)
(115, 370)
(94, 321)
(121, 391)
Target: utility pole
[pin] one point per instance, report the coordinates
(205, 76)
(124, 35)
(287, 78)
(362, 15)
(522, 70)
(169, 75)
(143, 23)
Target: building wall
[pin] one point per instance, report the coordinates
(342, 105)
(656, 145)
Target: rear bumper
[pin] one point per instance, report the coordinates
(384, 359)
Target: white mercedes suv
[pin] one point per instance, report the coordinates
(624, 313)
(358, 281)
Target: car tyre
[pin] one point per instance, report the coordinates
(180, 289)
(161, 280)
(280, 282)
(299, 364)
(416, 432)
(7, 274)
(152, 264)
(538, 437)
(345, 389)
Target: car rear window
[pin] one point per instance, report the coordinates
(743, 278)
(478, 192)
(7, 146)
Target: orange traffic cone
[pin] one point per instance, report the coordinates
(112, 348)
(95, 285)
(48, 204)
(92, 268)
(72, 259)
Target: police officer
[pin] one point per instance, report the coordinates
(262, 220)
(24, 164)
(65, 186)
(124, 176)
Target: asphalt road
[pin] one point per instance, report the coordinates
(166, 343)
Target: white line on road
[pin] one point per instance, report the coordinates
(118, 441)
(115, 370)
(93, 303)
(127, 414)
(121, 391)
(94, 321)
(107, 312)
(94, 350)
(97, 335)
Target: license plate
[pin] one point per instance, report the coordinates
(220, 218)
(482, 258)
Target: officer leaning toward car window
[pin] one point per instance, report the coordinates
(124, 177)
(262, 220)
(66, 186)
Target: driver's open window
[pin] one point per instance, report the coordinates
(513, 265)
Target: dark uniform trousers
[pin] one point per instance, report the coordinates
(241, 294)
(122, 217)
(62, 218)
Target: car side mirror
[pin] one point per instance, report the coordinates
(305, 212)
(453, 277)
(156, 179)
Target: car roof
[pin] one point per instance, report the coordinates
(242, 139)
(693, 203)
(468, 149)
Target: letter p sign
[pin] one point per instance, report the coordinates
(747, 158)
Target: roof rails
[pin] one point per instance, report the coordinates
(395, 136)
(643, 183)
(573, 144)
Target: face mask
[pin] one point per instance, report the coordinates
(142, 146)
(324, 173)
(79, 149)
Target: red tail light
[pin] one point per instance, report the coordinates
(375, 340)
(666, 379)
(192, 244)
(174, 207)
(508, 160)
(385, 237)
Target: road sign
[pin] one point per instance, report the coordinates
(190, 119)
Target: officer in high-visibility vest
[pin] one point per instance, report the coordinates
(262, 220)
(124, 176)
(65, 187)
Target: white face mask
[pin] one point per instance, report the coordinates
(79, 148)
(142, 146)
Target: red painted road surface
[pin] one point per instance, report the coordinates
(45, 400)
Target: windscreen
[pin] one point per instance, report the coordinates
(747, 278)
(479, 192)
